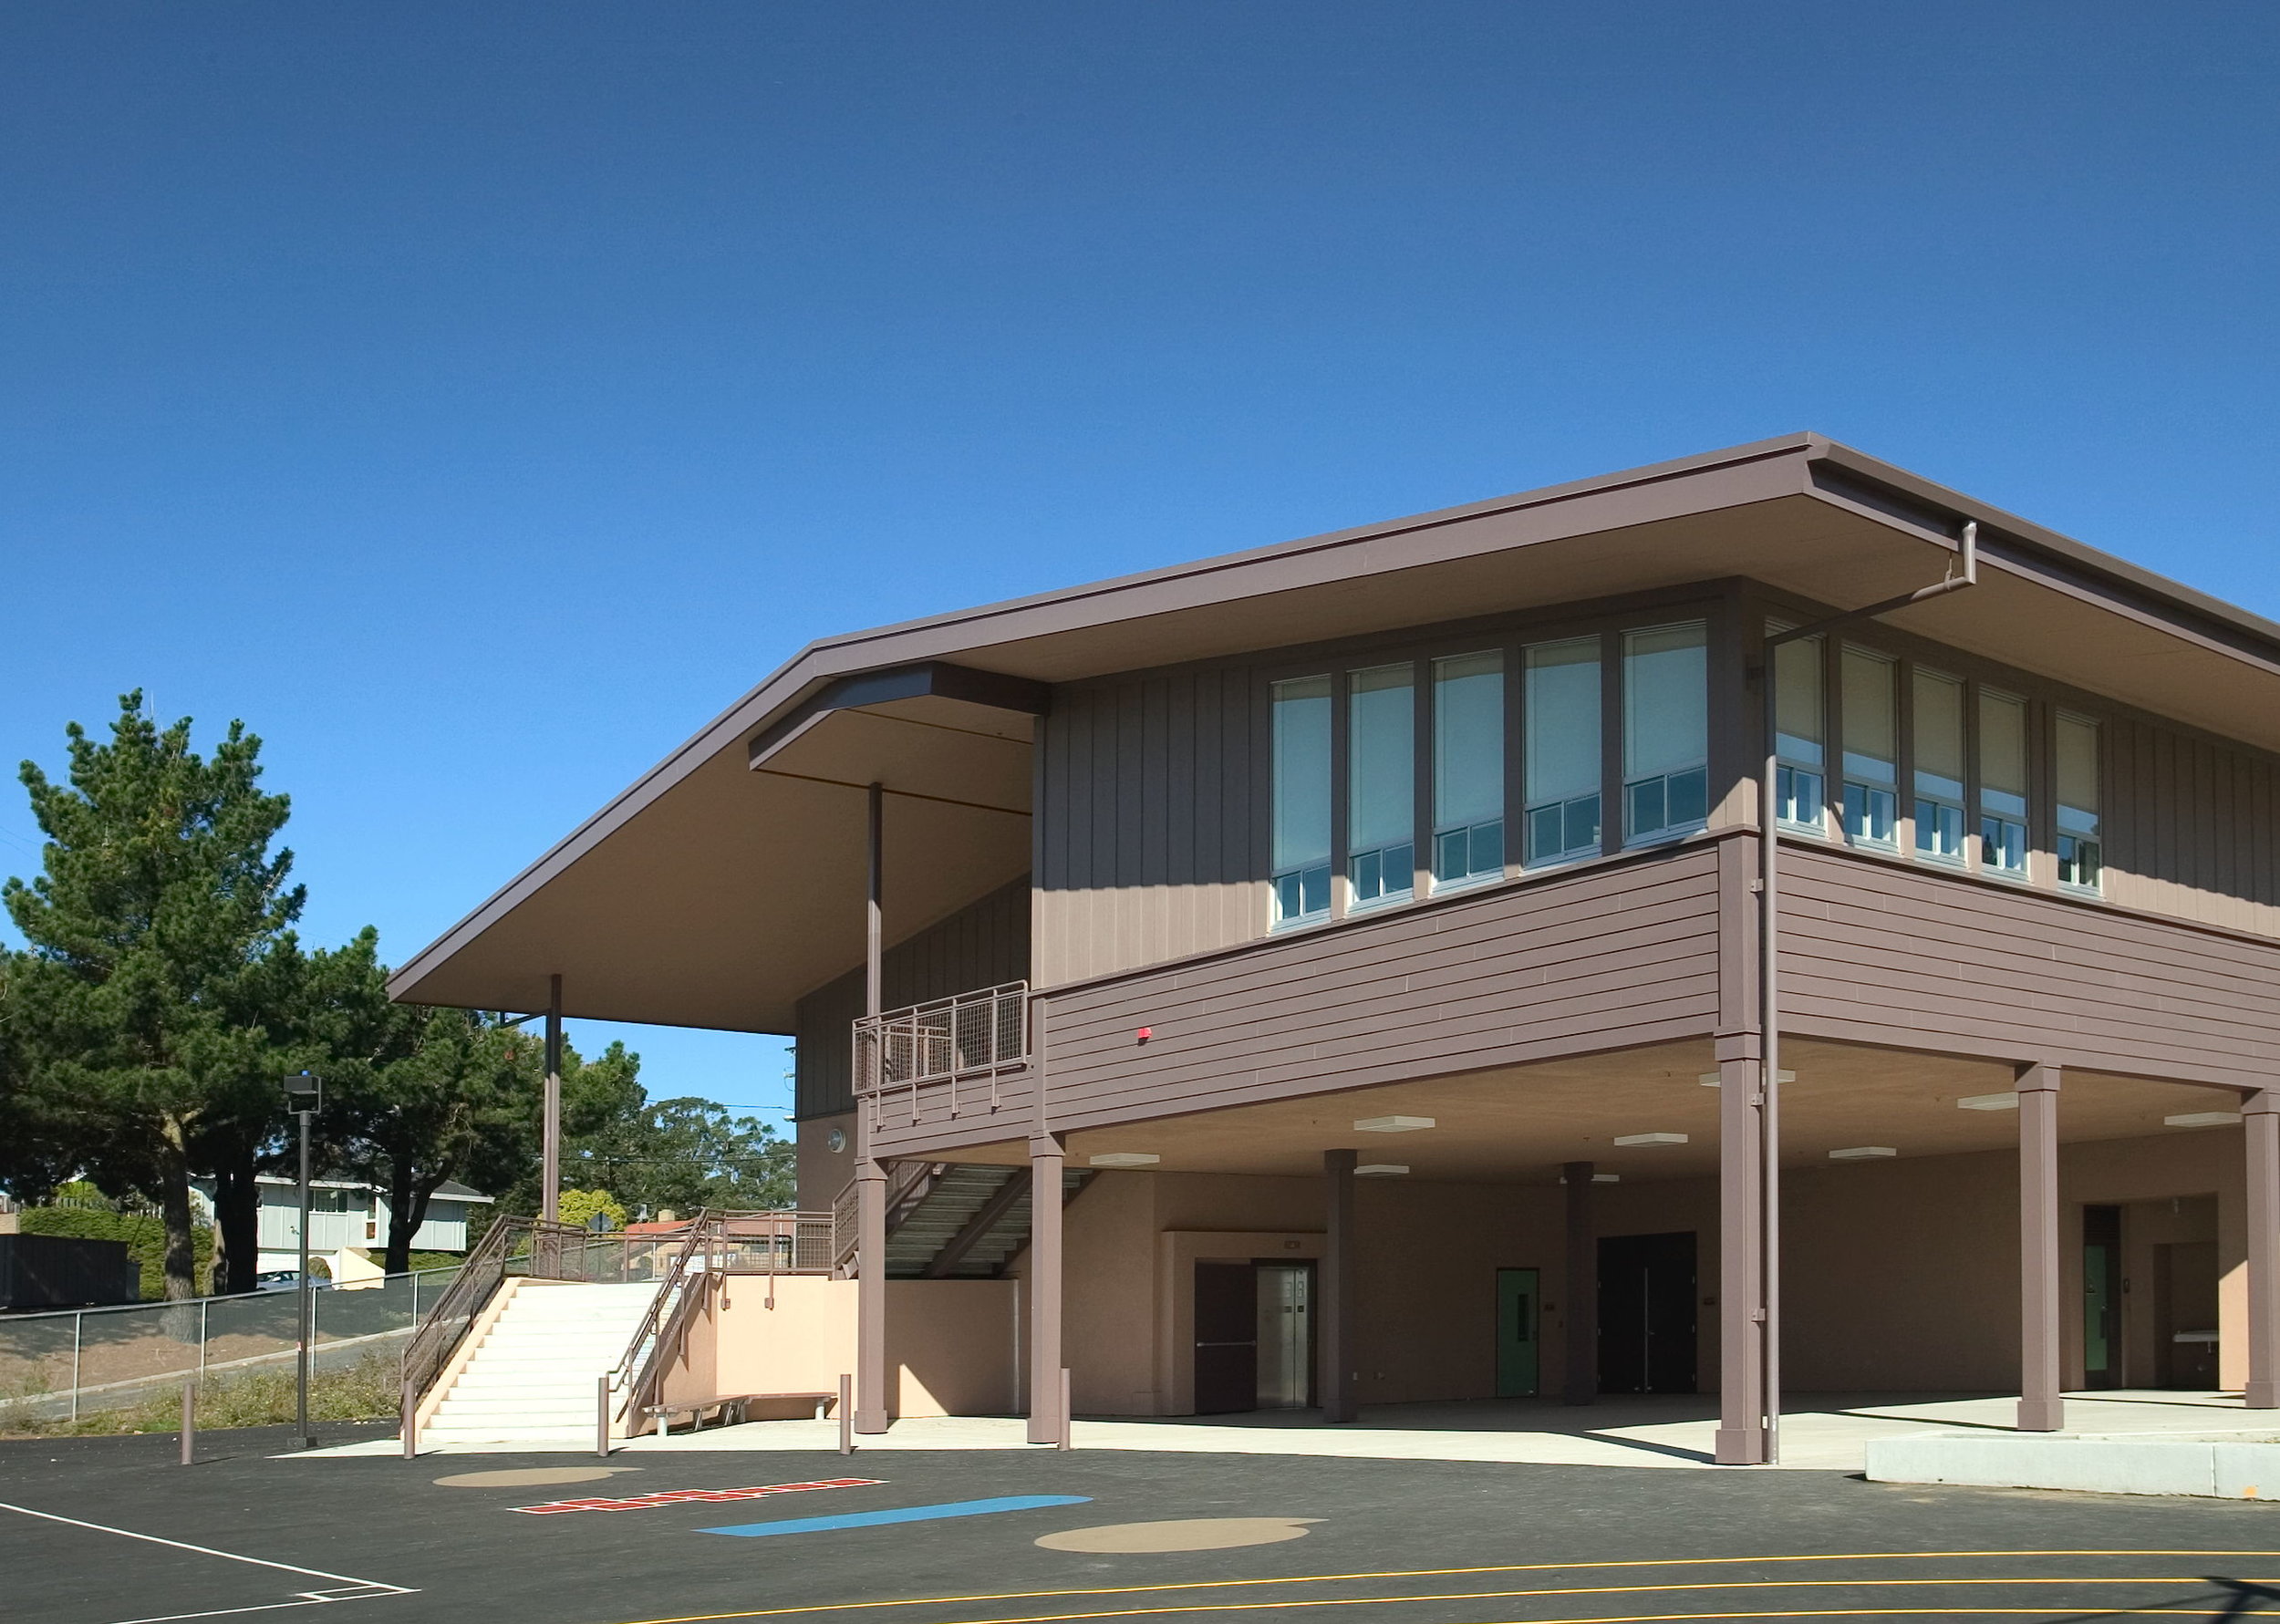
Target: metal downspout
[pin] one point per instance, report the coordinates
(1768, 966)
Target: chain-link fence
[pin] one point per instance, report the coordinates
(62, 1365)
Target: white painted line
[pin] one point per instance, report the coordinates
(355, 1589)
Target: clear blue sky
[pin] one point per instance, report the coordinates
(475, 398)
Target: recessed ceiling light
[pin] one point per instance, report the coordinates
(1393, 1124)
(1988, 1102)
(1631, 1138)
(1381, 1170)
(1123, 1159)
(2204, 1119)
(1863, 1153)
(1600, 1178)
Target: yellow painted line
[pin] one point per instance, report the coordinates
(1235, 1606)
(1420, 1573)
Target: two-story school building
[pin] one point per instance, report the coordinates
(1561, 944)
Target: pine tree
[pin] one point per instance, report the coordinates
(141, 1004)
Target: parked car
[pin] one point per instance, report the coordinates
(287, 1280)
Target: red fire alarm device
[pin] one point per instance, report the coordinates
(1146, 1033)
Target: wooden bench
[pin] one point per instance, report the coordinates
(731, 1409)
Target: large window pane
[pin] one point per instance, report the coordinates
(2080, 858)
(1561, 764)
(1800, 727)
(1939, 766)
(1871, 690)
(1467, 767)
(2003, 783)
(1667, 729)
(1302, 798)
(1382, 772)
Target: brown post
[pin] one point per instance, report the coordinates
(1047, 1156)
(870, 1173)
(1580, 1384)
(870, 1294)
(550, 1125)
(2041, 1410)
(1339, 1354)
(2260, 1116)
(1741, 1438)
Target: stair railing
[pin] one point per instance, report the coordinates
(704, 1231)
(533, 1243)
(907, 1186)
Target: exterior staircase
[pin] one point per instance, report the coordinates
(965, 1223)
(531, 1380)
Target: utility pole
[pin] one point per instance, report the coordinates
(305, 1097)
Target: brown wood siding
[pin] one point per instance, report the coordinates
(1145, 848)
(982, 945)
(1876, 952)
(2188, 825)
(1599, 959)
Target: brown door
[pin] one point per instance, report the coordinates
(1227, 1337)
(2185, 1314)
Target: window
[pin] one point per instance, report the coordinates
(1871, 695)
(1799, 726)
(1468, 768)
(1666, 731)
(2079, 859)
(1561, 764)
(2002, 784)
(1382, 777)
(1302, 800)
(1939, 766)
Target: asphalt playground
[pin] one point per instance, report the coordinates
(113, 1531)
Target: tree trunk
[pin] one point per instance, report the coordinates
(403, 1219)
(174, 1211)
(236, 1224)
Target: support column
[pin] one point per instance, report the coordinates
(2260, 1117)
(2041, 1410)
(1339, 1354)
(550, 1110)
(1741, 1438)
(1047, 1157)
(870, 1372)
(1579, 1383)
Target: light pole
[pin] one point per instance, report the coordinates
(304, 1096)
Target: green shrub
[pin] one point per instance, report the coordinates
(144, 1234)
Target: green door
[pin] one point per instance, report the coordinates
(1516, 1332)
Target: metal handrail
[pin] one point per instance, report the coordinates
(485, 1270)
(970, 1032)
(907, 1185)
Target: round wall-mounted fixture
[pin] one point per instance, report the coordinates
(836, 1139)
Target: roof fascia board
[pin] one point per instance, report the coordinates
(935, 678)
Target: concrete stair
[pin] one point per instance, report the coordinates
(530, 1382)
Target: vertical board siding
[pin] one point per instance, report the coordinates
(1602, 959)
(2188, 828)
(1879, 953)
(1148, 849)
(982, 945)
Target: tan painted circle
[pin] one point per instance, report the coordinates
(1190, 1533)
(524, 1477)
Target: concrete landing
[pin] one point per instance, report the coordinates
(1824, 1432)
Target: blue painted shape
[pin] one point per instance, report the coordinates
(907, 1513)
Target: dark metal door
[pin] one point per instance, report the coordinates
(1227, 1337)
(1647, 1313)
(2101, 1296)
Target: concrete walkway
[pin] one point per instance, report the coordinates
(1821, 1431)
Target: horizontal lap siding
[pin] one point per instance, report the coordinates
(1880, 954)
(1605, 959)
(1144, 824)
